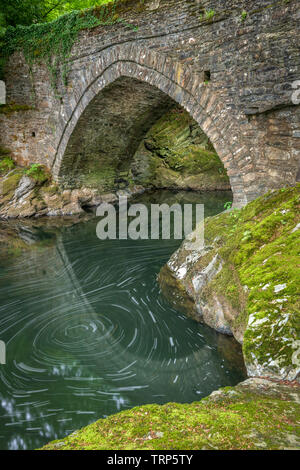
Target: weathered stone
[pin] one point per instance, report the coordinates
(2, 92)
(176, 154)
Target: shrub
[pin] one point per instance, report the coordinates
(37, 172)
(244, 15)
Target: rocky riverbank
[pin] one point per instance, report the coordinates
(23, 196)
(244, 282)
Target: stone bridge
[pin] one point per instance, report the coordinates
(233, 65)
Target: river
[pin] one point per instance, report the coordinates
(89, 334)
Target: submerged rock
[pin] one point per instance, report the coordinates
(245, 281)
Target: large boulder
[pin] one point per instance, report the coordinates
(244, 282)
(176, 154)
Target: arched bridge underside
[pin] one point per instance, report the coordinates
(234, 76)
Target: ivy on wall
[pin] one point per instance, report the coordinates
(51, 43)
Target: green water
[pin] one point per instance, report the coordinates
(89, 334)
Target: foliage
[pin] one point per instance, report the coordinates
(37, 172)
(6, 162)
(227, 205)
(65, 6)
(208, 15)
(259, 246)
(27, 12)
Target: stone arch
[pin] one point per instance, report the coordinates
(221, 125)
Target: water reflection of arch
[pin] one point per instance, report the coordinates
(177, 359)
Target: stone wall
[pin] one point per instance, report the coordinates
(233, 74)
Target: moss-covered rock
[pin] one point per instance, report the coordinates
(256, 414)
(245, 281)
(26, 193)
(176, 154)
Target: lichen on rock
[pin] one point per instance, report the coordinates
(255, 414)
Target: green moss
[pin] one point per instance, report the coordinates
(235, 418)
(196, 160)
(260, 249)
(6, 164)
(257, 286)
(176, 152)
(102, 178)
(50, 189)
(13, 108)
